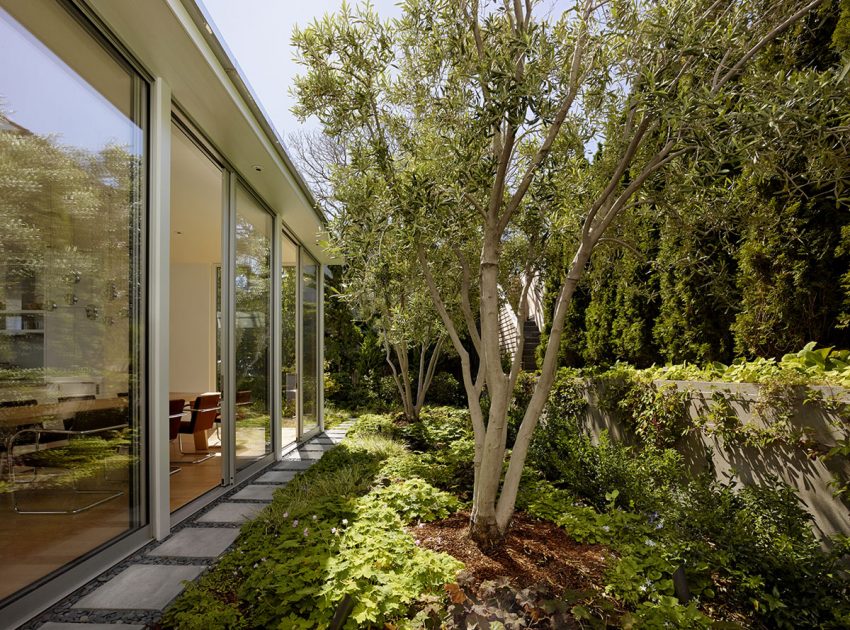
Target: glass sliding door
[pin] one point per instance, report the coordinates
(310, 369)
(72, 163)
(252, 338)
(197, 185)
(289, 340)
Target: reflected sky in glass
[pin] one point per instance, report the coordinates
(41, 93)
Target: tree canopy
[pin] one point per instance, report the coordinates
(492, 143)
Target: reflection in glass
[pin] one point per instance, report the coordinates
(310, 344)
(288, 356)
(253, 332)
(70, 206)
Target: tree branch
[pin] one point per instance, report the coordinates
(473, 389)
(764, 41)
(623, 164)
(554, 128)
(466, 306)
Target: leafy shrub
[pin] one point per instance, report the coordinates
(657, 414)
(373, 424)
(417, 500)
(450, 469)
(445, 390)
(380, 565)
(810, 365)
(567, 456)
(387, 390)
(437, 428)
(328, 535)
(751, 547)
(523, 391)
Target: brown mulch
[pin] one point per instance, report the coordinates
(533, 553)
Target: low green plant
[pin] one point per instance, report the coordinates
(811, 365)
(373, 424)
(331, 535)
(417, 500)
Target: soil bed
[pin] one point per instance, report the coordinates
(534, 553)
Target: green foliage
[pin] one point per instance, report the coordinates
(567, 456)
(446, 390)
(810, 365)
(437, 429)
(657, 414)
(417, 500)
(752, 547)
(380, 565)
(329, 534)
(373, 424)
(744, 247)
(522, 396)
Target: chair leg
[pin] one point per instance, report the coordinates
(109, 495)
(106, 495)
(195, 461)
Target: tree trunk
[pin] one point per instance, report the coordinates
(484, 530)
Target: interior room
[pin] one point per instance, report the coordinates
(195, 326)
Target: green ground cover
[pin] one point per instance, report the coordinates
(336, 535)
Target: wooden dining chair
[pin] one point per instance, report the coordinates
(201, 419)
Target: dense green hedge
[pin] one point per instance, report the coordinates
(742, 252)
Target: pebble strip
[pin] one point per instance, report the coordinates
(228, 511)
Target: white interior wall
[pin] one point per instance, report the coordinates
(192, 347)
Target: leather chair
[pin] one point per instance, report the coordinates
(202, 419)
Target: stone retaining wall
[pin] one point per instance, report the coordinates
(751, 465)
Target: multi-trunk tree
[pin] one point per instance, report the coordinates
(451, 113)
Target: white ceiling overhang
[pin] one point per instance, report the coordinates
(166, 37)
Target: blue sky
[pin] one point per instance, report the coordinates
(258, 34)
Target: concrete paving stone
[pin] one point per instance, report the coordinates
(55, 625)
(312, 447)
(300, 455)
(141, 587)
(197, 542)
(231, 513)
(255, 493)
(294, 465)
(276, 476)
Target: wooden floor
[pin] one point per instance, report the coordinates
(193, 480)
(34, 545)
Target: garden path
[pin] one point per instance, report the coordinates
(134, 593)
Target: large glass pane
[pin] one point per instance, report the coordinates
(288, 340)
(253, 331)
(194, 347)
(310, 343)
(71, 162)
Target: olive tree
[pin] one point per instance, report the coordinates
(451, 114)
